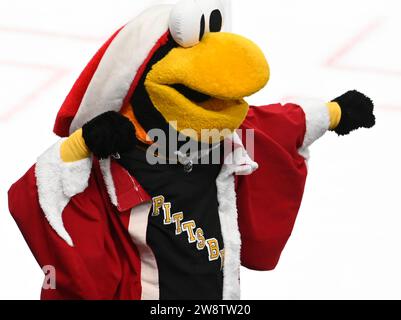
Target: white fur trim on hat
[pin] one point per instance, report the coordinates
(120, 63)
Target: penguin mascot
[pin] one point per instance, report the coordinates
(114, 223)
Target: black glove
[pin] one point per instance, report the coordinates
(357, 112)
(109, 134)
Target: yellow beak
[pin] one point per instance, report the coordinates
(222, 69)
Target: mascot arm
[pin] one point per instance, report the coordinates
(68, 237)
(269, 199)
(66, 218)
(106, 135)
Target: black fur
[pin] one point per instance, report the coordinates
(143, 108)
(357, 112)
(108, 134)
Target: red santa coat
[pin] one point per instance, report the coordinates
(107, 257)
(88, 219)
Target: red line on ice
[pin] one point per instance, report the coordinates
(353, 42)
(334, 60)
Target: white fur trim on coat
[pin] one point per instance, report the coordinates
(317, 124)
(239, 163)
(57, 183)
(120, 63)
(105, 167)
(239, 159)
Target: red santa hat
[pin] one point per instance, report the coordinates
(110, 78)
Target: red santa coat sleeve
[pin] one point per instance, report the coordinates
(270, 198)
(101, 258)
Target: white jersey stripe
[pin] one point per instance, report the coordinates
(138, 226)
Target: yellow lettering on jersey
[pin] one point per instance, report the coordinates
(167, 213)
(177, 218)
(201, 239)
(213, 248)
(157, 205)
(222, 257)
(189, 227)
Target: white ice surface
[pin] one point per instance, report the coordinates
(346, 243)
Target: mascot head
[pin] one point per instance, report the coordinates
(172, 66)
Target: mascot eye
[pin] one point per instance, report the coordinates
(202, 27)
(216, 21)
(213, 10)
(187, 23)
